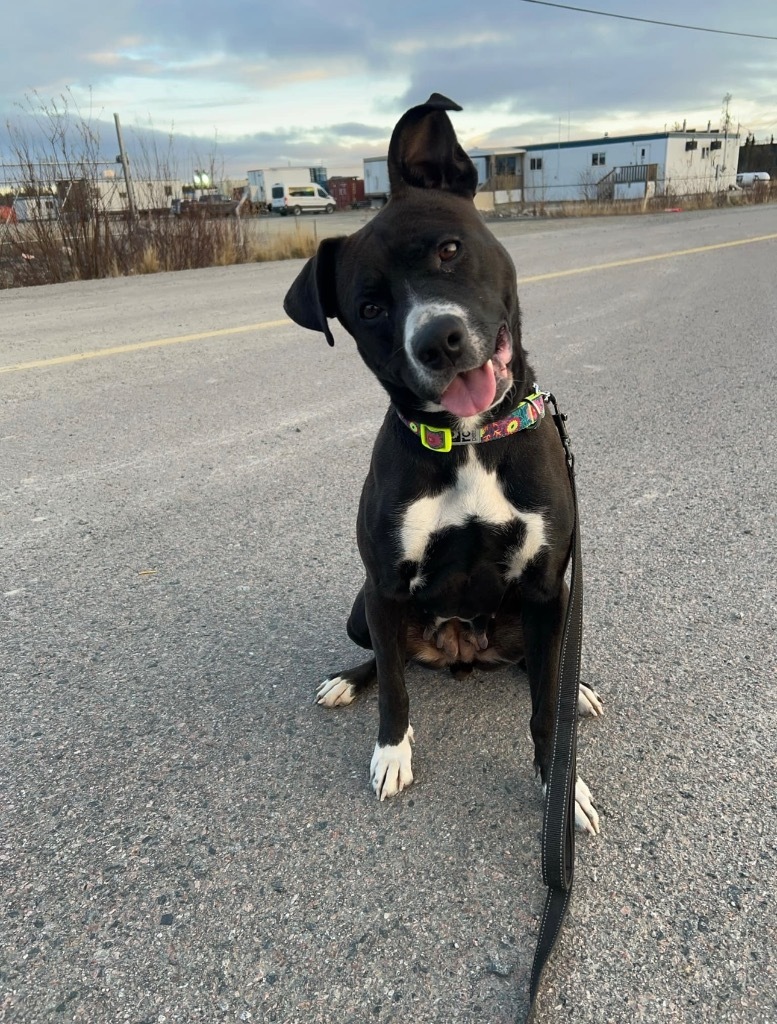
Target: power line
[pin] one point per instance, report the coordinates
(648, 21)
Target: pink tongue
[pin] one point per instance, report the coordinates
(471, 392)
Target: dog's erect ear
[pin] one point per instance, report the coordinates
(424, 151)
(313, 296)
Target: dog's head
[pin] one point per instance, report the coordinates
(424, 288)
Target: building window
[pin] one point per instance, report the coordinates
(597, 159)
(506, 165)
(643, 153)
(705, 152)
(535, 163)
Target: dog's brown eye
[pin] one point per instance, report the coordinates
(447, 251)
(370, 311)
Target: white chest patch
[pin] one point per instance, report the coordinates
(477, 494)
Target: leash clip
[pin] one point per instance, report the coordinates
(560, 418)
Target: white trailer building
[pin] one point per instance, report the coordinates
(151, 194)
(49, 199)
(676, 163)
(499, 173)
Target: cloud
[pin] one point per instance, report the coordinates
(297, 80)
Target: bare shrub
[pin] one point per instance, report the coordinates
(56, 225)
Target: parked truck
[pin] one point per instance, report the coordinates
(376, 180)
(260, 182)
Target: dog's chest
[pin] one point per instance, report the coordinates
(476, 496)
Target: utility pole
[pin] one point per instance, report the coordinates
(726, 116)
(124, 161)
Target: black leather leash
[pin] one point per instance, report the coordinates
(558, 829)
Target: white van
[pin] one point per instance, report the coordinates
(299, 199)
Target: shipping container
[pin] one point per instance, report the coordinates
(347, 192)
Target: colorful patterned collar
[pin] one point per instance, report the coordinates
(441, 439)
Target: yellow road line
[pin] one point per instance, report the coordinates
(116, 350)
(645, 259)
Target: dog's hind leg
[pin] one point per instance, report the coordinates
(357, 627)
(337, 691)
(589, 703)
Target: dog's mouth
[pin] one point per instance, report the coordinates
(474, 391)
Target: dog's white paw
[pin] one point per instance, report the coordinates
(586, 818)
(335, 692)
(390, 770)
(589, 703)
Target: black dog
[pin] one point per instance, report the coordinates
(464, 542)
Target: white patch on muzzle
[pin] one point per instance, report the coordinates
(419, 315)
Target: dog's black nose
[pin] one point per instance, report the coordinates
(439, 342)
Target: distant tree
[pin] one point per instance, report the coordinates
(589, 185)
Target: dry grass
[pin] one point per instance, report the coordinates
(149, 261)
(630, 207)
(287, 246)
(46, 252)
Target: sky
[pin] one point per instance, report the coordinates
(252, 84)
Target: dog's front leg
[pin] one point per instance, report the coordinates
(543, 623)
(390, 768)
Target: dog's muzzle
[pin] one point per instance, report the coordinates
(451, 364)
(442, 343)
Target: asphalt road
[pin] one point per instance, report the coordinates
(186, 837)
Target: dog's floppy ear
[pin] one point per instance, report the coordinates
(313, 296)
(424, 151)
